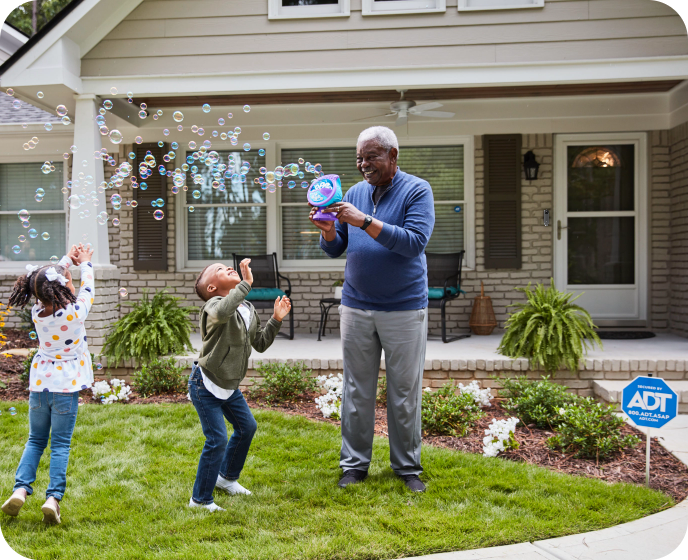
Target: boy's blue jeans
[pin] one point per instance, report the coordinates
(50, 415)
(219, 457)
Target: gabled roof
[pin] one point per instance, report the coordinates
(26, 113)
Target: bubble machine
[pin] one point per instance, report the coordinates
(323, 192)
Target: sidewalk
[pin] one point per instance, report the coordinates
(649, 538)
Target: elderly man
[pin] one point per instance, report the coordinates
(384, 224)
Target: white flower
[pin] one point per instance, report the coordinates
(428, 390)
(498, 436)
(481, 397)
(561, 411)
(331, 402)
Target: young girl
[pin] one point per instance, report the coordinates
(59, 370)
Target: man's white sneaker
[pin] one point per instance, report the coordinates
(210, 507)
(231, 486)
(14, 503)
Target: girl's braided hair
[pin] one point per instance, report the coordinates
(35, 284)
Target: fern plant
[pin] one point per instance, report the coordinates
(549, 330)
(154, 327)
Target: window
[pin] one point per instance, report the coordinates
(284, 9)
(225, 221)
(468, 5)
(18, 185)
(442, 166)
(388, 7)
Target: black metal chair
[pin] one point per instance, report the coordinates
(444, 270)
(266, 284)
(325, 305)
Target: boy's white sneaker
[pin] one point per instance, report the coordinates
(14, 503)
(210, 507)
(231, 486)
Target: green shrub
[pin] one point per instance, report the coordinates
(154, 327)
(24, 376)
(283, 382)
(549, 330)
(590, 429)
(534, 402)
(25, 316)
(446, 413)
(381, 391)
(160, 376)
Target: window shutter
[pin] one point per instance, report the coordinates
(502, 200)
(150, 235)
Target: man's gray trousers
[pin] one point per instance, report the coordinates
(402, 335)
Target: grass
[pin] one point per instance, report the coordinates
(132, 469)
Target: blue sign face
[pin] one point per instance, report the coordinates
(649, 402)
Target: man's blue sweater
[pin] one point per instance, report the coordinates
(388, 273)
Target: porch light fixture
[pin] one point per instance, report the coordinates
(597, 156)
(530, 166)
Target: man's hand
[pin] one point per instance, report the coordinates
(323, 226)
(246, 273)
(347, 213)
(282, 308)
(73, 253)
(84, 254)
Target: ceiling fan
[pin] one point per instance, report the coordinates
(405, 107)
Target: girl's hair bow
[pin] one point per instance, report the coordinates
(31, 268)
(52, 275)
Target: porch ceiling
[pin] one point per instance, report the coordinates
(552, 90)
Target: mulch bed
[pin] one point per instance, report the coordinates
(667, 473)
(17, 338)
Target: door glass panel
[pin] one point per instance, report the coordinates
(601, 178)
(601, 250)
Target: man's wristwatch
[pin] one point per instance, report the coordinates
(367, 221)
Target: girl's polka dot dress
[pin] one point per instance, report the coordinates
(63, 362)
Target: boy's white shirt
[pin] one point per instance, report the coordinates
(219, 392)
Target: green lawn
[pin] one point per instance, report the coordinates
(132, 469)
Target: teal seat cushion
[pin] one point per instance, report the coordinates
(264, 294)
(438, 293)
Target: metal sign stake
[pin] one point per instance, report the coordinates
(647, 459)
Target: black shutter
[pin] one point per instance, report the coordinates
(502, 200)
(150, 235)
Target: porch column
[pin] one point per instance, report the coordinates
(87, 142)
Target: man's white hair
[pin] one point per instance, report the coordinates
(382, 135)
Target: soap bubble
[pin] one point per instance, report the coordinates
(66, 120)
(40, 191)
(33, 335)
(196, 194)
(113, 90)
(123, 292)
(138, 140)
(130, 94)
(142, 114)
(23, 215)
(115, 221)
(13, 411)
(9, 91)
(206, 108)
(48, 126)
(103, 130)
(143, 106)
(16, 249)
(201, 132)
(270, 176)
(237, 130)
(134, 203)
(158, 214)
(33, 233)
(247, 147)
(160, 202)
(261, 152)
(115, 136)
(161, 144)
(45, 235)
(61, 110)
(304, 184)
(178, 116)
(192, 145)
(40, 95)
(266, 136)
(247, 108)
(107, 104)
(16, 103)
(26, 225)
(191, 208)
(291, 184)
(99, 366)
(22, 238)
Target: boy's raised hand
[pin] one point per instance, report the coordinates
(246, 273)
(282, 308)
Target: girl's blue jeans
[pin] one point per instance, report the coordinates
(51, 415)
(218, 456)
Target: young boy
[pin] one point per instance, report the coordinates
(229, 326)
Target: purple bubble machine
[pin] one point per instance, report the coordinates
(323, 192)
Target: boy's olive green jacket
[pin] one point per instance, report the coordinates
(226, 344)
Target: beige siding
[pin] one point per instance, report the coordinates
(168, 37)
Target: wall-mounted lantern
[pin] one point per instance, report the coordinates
(530, 166)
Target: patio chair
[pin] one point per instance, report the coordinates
(266, 284)
(444, 270)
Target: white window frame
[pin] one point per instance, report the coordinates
(7, 267)
(336, 265)
(184, 264)
(277, 11)
(375, 8)
(481, 5)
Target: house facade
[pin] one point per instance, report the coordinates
(596, 90)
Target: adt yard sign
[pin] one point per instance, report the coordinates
(649, 402)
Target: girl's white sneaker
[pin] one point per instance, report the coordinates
(231, 486)
(210, 507)
(14, 503)
(51, 512)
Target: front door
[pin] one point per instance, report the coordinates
(600, 224)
